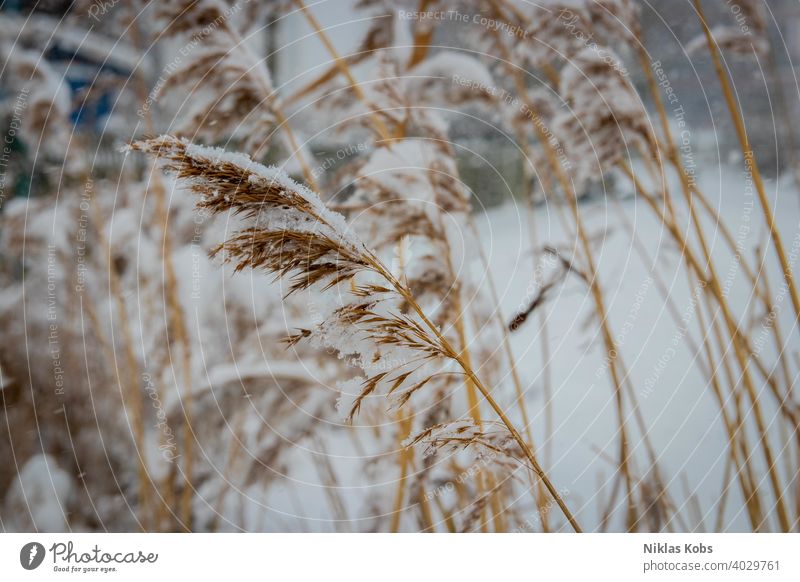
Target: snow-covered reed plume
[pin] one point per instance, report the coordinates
(605, 119)
(615, 19)
(232, 182)
(293, 235)
(290, 233)
(547, 34)
(40, 104)
(220, 85)
(546, 42)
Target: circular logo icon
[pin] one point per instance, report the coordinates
(31, 555)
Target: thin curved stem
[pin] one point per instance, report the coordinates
(485, 392)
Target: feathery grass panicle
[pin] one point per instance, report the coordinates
(615, 19)
(294, 234)
(606, 118)
(491, 437)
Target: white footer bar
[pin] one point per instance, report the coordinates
(406, 557)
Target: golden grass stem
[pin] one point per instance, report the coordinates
(485, 392)
(608, 338)
(344, 68)
(733, 431)
(512, 363)
(404, 424)
(691, 190)
(473, 402)
(596, 292)
(723, 497)
(175, 313)
(422, 39)
(706, 272)
(750, 161)
(129, 387)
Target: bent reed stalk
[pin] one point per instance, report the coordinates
(749, 157)
(296, 237)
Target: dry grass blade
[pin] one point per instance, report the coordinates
(543, 293)
(489, 437)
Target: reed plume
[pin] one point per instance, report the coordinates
(296, 237)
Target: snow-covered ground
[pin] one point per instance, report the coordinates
(680, 411)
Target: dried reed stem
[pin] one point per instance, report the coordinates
(473, 402)
(749, 156)
(544, 332)
(344, 68)
(733, 432)
(706, 273)
(178, 323)
(687, 189)
(129, 387)
(592, 279)
(422, 39)
(404, 431)
(691, 190)
(235, 183)
(597, 295)
(485, 392)
(175, 311)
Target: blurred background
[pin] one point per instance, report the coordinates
(145, 387)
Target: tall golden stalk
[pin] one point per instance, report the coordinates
(175, 313)
(750, 160)
(612, 352)
(616, 367)
(406, 459)
(741, 352)
(130, 385)
(380, 126)
(706, 273)
(228, 186)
